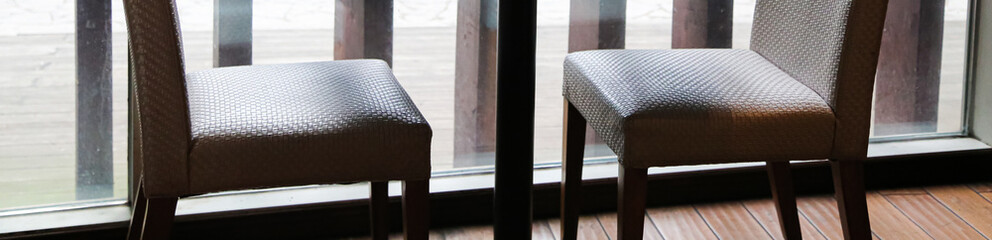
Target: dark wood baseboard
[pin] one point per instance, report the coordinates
(475, 207)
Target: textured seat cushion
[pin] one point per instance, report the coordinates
(700, 106)
(306, 123)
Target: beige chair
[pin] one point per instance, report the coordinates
(803, 91)
(266, 126)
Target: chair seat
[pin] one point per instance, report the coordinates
(697, 106)
(306, 123)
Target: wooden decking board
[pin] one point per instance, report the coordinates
(945, 212)
(541, 230)
(731, 220)
(609, 222)
(903, 191)
(887, 222)
(822, 212)
(469, 233)
(764, 211)
(934, 218)
(680, 222)
(981, 187)
(589, 228)
(967, 204)
(987, 196)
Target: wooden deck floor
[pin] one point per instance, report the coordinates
(956, 212)
(37, 95)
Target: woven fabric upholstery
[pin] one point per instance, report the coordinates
(832, 47)
(161, 130)
(804, 38)
(678, 107)
(306, 123)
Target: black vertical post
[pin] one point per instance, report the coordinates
(94, 139)
(515, 76)
(232, 32)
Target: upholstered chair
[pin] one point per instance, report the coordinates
(264, 126)
(803, 91)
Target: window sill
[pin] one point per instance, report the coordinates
(212, 206)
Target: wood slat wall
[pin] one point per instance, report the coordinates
(938, 212)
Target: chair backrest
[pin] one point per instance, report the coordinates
(161, 110)
(831, 46)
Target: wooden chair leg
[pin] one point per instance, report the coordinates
(633, 197)
(571, 171)
(137, 213)
(379, 209)
(849, 189)
(159, 213)
(780, 176)
(416, 209)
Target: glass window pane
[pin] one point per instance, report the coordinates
(919, 84)
(47, 113)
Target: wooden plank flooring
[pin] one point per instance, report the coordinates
(939, 212)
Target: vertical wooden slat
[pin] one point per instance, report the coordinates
(515, 85)
(94, 132)
(596, 24)
(232, 32)
(363, 29)
(475, 82)
(702, 23)
(908, 79)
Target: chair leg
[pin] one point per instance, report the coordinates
(780, 176)
(137, 213)
(849, 189)
(633, 197)
(159, 213)
(379, 209)
(416, 209)
(571, 171)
